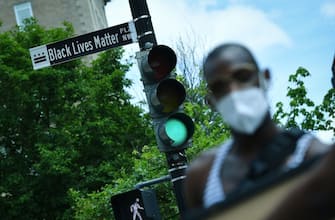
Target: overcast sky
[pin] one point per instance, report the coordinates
(283, 34)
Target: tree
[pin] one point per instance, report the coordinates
(66, 127)
(302, 112)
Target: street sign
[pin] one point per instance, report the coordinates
(93, 42)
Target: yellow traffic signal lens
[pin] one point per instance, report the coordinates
(170, 94)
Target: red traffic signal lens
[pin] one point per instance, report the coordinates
(162, 60)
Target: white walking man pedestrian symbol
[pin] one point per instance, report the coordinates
(134, 208)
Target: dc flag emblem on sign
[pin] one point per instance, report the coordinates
(40, 57)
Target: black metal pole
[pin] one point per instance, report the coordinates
(143, 25)
(177, 165)
(176, 160)
(153, 181)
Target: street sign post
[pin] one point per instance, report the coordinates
(82, 45)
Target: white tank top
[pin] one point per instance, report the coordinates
(214, 193)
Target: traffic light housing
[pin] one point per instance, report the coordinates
(165, 96)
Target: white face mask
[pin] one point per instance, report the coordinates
(244, 110)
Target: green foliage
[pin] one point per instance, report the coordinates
(30, 102)
(71, 126)
(148, 164)
(303, 112)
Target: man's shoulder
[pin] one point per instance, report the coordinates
(312, 144)
(196, 177)
(204, 159)
(317, 147)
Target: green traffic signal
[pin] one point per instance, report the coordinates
(176, 131)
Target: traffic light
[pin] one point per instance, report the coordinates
(165, 96)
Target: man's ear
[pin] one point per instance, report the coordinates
(267, 74)
(264, 79)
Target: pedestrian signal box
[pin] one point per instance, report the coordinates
(136, 205)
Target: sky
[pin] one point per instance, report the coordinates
(282, 34)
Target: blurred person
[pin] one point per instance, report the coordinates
(237, 91)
